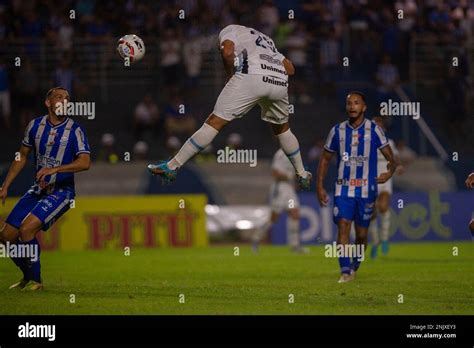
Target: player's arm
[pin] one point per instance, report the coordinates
(323, 166)
(470, 181)
(289, 67)
(228, 57)
(15, 168)
(391, 166)
(81, 163)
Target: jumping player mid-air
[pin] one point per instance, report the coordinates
(257, 74)
(60, 149)
(283, 197)
(382, 204)
(355, 143)
(470, 184)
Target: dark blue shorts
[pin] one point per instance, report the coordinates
(354, 209)
(46, 207)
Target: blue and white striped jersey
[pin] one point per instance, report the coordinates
(54, 146)
(356, 150)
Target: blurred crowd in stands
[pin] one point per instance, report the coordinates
(315, 35)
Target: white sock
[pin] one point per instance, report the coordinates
(261, 232)
(196, 143)
(374, 231)
(291, 148)
(293, 235)
(384, 225)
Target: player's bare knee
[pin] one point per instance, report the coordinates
(27, 232)
(280, 128)
(216, 122)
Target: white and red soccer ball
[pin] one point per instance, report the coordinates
(131, 47)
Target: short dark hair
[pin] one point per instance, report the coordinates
(48, 94)
(360, 94)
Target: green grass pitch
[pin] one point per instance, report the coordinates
(214, 281)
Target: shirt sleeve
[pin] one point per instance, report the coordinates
(331, 143)
(380, 138)
(28, 138)
(80, 143)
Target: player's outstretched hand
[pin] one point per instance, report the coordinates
(323, 197)
(470, 181)
(383, 177)
(3, 194)
(44, 172)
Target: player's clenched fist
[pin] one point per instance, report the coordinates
(470, 181)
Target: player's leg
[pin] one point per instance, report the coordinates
(235, 100)
(363, 213)
(384, 211)
(294, 230)
(48, 210)
(275, 110)
(343, 240)
(28, 230)
(471, 227)
(198, 141)
(361, 246)
(11, 234)
(343, 216)
(374, 233)
(290, 145)
(264, 231)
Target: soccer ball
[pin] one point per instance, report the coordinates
(132, 47)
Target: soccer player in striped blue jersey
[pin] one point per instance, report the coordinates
(60, 149)
(355, 143)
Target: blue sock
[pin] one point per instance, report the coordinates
(20, 262)
(33, 269)
(355, 263)
(345, 264)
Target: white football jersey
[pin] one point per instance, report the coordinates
(256, 52)
(381, 161)
(282, 164)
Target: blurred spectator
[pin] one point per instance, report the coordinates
(316, 150)
(192, 55)
(27, 87)
(387, 78)
(406, 154)
(173, 144)
(170, 51)
(107, 152)
(268, 17)
(140, 151)
(65, 34)
(5, 95)
(64, 76)
(329, 58)
(145, 117)
(178, 122)
(205, 156)
(297, 45)
(234, 141)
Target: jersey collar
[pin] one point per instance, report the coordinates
(359, 126)
(59, 124)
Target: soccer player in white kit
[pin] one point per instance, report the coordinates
(256, 74)
(283, 197)
(382, 204)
